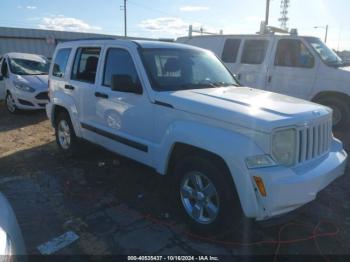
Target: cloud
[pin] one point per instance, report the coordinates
(30, 7)
(62, 23)
(192, 8)
(169, 25)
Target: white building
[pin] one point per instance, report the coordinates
(38, 41)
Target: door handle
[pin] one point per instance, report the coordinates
(70, 87)
(269, 79)
(101, 95)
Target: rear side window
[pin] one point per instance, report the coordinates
(119, 62)
(231, 47)
(60, 63)
(254, 51)
(85, 64)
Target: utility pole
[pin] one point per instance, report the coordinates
(267, 13)
(123, 8)
(326, 28)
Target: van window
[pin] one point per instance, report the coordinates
(85, 64)
(293, 53)
(230, 51)
(60, 63)
(4, 69)
(118, 62)
(254, 51)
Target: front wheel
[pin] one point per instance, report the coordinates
(205, 194)
(11, 104)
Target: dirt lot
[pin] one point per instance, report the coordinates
(117, 206)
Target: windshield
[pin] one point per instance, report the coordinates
(180, 69)
(29, 67)
(328, 56)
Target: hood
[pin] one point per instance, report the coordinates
(248, 107)
(39, 82)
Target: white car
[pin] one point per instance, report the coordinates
(24, 81)
(289, 64)
(11, 240)
(177, 109)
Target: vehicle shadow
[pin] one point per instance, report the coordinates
(23, 118)
(97, 183)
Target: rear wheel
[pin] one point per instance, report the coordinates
(341, 111)
(65, 135)
(205, 196)
(11, 104)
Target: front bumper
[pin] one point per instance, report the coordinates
(30, 101)
(290, 188)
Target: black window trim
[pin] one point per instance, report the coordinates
(75, 57)
(53, 62)
(307, 48)
(105, 65)
(255, 39)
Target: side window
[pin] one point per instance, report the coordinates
(85, 64)
(293, 53)
(4, 69)
(254, 51)
(60, 63)
(230, 51)
(119, 62)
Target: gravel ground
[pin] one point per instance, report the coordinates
(117, 206)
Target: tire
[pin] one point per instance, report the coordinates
(66, 139)
(221, 208)
(341, 111)
(10, 104)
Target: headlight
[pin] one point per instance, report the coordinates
(24, 87)
(259, 161)
(6, 247)
(284, 146)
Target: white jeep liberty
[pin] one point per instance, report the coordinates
(177, 109)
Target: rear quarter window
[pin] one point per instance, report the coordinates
(60, 62)
(230, 51)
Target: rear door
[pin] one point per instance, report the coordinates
(292, 70)
(83, 78)
(252, 69)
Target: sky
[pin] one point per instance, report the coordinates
(170, 19)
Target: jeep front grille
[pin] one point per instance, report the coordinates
(314, 140)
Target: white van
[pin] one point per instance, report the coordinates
(298, 66)
(24, 81)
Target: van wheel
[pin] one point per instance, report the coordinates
(65, 135)
(341, 111)
(206, 198)
(11, 104)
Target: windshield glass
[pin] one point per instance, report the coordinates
(179, 69)
(29, 67)
(327, 55)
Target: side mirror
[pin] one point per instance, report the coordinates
(124, 83)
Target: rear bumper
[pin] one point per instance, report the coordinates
(290, 188)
